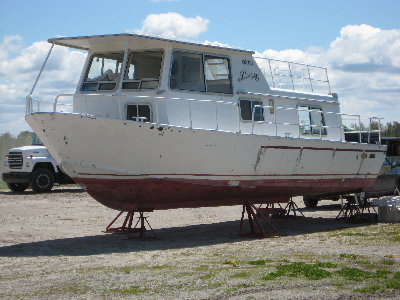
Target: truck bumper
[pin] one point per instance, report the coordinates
(20, 177)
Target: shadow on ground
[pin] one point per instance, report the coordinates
(167, 238)
(54, 191)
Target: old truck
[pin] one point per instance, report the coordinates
(32, 166)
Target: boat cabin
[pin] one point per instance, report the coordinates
(139, 78)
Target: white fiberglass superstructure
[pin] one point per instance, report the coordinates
(158, 124)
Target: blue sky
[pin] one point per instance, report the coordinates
(315, 31)
(251, 24)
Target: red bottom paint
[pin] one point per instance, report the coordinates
(134, 194)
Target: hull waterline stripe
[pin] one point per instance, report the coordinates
(218, 175)
(319, 149)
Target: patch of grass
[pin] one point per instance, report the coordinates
(354, 274)
(349, 256)
(387, 261)
(133, 290)
(362, 262)
(207, 276)
(3, 185)
(328, 265)
(397, 237)
(383, 274)
(369, 289)
(394, 282)
(260, 262)
(240, 275)
(297, 269)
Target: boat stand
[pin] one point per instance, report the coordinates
(353, 211)
(128, 221)
(254, 214)
(280, 212)
(292, 207)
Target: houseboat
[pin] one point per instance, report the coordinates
(158, 124)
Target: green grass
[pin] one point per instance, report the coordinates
(349, 256)
(299, 269)
(133, 290)
(260, 262)
(240, 275)
(3, 185)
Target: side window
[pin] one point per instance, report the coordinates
(311, 121)
(138, 112)
(247, 107)
(217, 75)
(103, 73)
(187, 72)
(143, 70)
(202, 73)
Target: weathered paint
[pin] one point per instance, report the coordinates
(163, 167)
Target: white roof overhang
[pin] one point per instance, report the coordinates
(113, 42)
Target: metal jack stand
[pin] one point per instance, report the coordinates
(292, 206)
(350, 210)
(271, 211)
(127, 224)
(253, 215)
(355, 210)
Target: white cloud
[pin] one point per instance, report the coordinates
(364, 69)
(363, 64)
(173, 26)
(18, 70)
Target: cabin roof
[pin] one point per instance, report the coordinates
(99, 41)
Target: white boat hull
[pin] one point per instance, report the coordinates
(131, 165)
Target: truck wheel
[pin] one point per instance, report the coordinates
(42, 180)
(310, 201)
(17, 187)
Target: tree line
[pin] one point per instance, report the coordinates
(390, 129)
(8, 141)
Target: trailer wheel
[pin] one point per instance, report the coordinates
(310, 201)
(17, 187)
(42, 180)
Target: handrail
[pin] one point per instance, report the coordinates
(290, 66)
(320, 124)
(275, 110)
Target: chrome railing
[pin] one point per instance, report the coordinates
(294, 76)
(35, 105)
(343, 128)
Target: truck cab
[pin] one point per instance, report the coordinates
(32, 166)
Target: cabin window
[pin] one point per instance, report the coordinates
(202, 73)
(103, 72)
(247, 107)
(187, 72)
(143, 70)
(138, 112)
(311, 122)
(217, 75)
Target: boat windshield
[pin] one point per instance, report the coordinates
(103, 73)
(143, 70)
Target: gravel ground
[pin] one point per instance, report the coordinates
(52, 247)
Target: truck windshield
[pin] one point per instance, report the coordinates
(36, 141)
